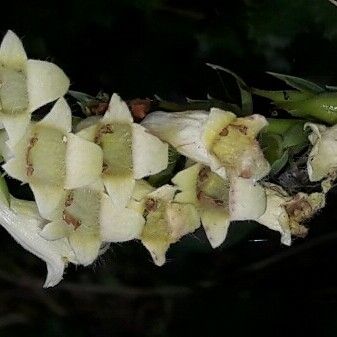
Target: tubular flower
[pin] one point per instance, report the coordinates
(88, 219)
(51, 159)
(286, 214)
(129, 151)
(166, 220)
(217, 139)
(322, 161)
(219, 200)
(22, 221)
(25, 86)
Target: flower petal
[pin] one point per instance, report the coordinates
(247, 199)
(275, 217)
(16, 127)
(45, 83)
(119, 189)
(183, 130)
(48, 199)
(88, 133)
(216, 223)
(59, 117)
(54, 230)
(217, 120)
(149, 154)
(119, 224)
(84, 162)
(23, 222)
(86, 247)
(12, 53)
(186, 181)
(118, 111)
(322, 159)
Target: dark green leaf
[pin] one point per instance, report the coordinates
(299, 83)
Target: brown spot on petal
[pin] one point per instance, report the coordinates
(151, 205)
(105, 129)
(224, 132)
(69, 200)
(71, 220)
(246, 173)
(242, 128)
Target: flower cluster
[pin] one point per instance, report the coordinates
(90, 182)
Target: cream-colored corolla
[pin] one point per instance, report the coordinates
(286, 213)
(51, 159)
(219, 200)
(129, 151)
(218, 139)
(23, 222)
(166, 220)
(25, 86)
(88, 219)
(322, 161)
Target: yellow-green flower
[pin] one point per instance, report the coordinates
(23, 222)
(218, 139)
(219, 200)
(25, 86)
(166, 220)
(129, 151)
(51, 159)
(88, 219)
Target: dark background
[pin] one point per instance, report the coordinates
(251, 285)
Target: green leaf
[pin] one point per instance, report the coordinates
(299, 83)
(282, 95)
(272, 146)
(278, 164)
(246, 96)
(295, 135)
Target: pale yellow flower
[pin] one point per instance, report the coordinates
(129, 151)
(51, 159)
(219, 201)
(25, 86)
(218, 139)
(166, 220)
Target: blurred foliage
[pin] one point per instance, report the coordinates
(144, 47)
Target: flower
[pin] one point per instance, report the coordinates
(322, 160)
(51, 159)
(219, 200)
(286, 214)
(88, 219)
(22, 221)
(25, 86)
(129, 151)
(217, 139)
(166, 220)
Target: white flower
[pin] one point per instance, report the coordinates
(217, 139)
(129, 151)
(88, 219)
(286, 214)
(51, 159)
(219, 200)
(166, 220)
(25, 86)
(22, 221)
(322, 161)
